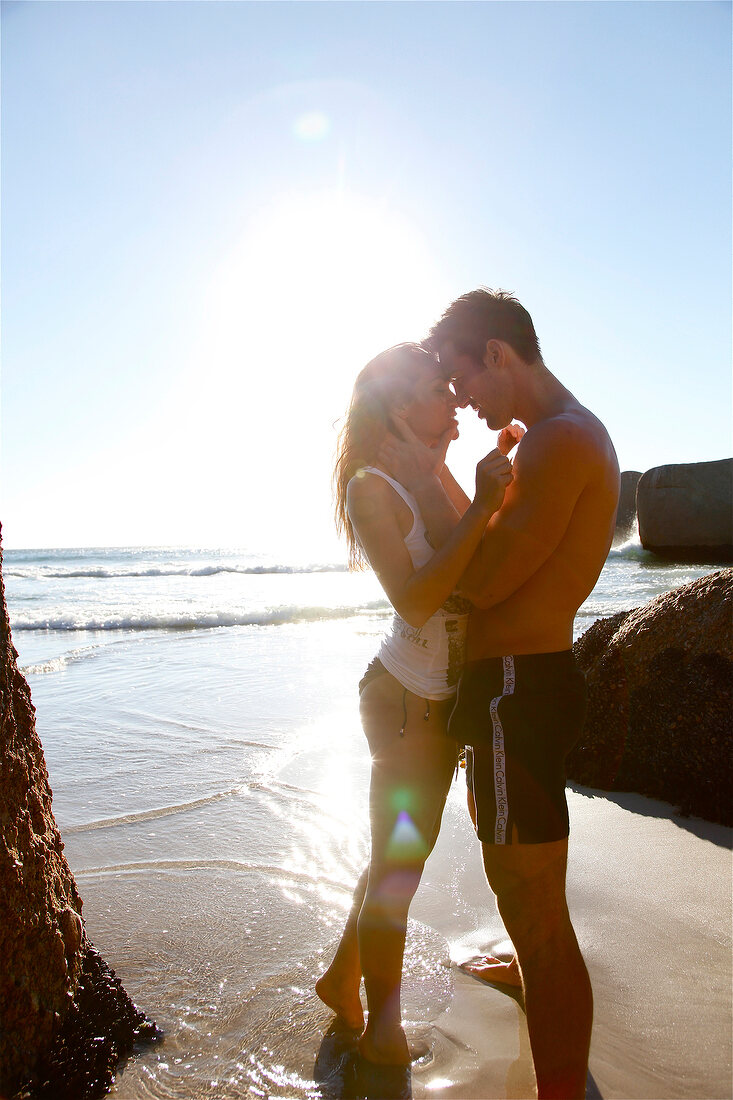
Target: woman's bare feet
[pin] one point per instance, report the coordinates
(386, 1049)
(388, 1046)
(342, 998)
(490, 969)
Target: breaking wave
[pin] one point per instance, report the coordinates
(100, 573)
(200, 621)
(58, 664)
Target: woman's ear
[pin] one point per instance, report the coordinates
(396, 415)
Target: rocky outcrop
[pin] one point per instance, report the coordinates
(660, 700)
(626, 514)
(64, 1018)
(686, 511)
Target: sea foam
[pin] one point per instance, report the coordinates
(198, 621)
(100, 573)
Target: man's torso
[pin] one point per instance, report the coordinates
(538, 616)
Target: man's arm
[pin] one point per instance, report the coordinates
(440, 506)
(508, 438)
(551, 469)
(423, 472)
(453, 491)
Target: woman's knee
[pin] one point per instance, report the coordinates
(391, 889)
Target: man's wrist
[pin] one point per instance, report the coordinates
(425, 483)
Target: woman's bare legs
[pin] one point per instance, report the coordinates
(339, 986)
(410, 779)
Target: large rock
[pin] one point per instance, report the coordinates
(686, 511)
(626, 514)
(660, 706)
(65, 1020)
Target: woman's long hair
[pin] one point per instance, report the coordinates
(384, 383)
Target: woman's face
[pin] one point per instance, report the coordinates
(432, 410)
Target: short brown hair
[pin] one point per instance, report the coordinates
(483, 315)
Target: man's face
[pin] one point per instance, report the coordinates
(478, 385)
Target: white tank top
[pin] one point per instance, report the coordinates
(427, 660)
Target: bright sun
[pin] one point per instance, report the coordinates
(316, 286)
(319, 281)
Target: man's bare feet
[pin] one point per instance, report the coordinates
(342, 999)
(490, 969)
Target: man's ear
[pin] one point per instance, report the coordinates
(494, 354)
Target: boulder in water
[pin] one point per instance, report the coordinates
(626, 514)
(686, 510)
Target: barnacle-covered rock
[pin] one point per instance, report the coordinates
(65, 1021)
(660, 706)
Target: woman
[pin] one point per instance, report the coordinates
(407, 692)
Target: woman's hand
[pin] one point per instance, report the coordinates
(509, 437)
(493, 475)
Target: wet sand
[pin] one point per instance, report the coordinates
(650, 899)
(216, 834)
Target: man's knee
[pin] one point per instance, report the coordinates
(529, 882)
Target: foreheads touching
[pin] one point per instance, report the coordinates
(392, 377)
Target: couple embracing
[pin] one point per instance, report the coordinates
(479, 655)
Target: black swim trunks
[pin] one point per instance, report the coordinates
(521, 715)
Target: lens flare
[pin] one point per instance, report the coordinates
(406, 844)
(312, 126)
(402, 800)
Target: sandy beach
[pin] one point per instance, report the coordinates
(650, 897)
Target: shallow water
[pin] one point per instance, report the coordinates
(210, 783)
(218, 903)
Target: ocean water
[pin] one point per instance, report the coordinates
(198, 712)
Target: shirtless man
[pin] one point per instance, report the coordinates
(521, 700)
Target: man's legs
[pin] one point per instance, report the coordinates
(529, 883)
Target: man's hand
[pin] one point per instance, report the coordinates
(509, 437)
(493, 475)
(408, 460)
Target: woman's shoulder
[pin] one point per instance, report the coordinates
(366, 483)
(367, 491)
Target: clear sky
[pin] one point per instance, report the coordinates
(215, 213)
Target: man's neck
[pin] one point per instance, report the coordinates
(539, 395)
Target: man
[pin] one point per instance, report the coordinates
(521, 701)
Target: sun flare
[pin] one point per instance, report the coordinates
(316, 285)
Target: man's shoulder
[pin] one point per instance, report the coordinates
(575, 434)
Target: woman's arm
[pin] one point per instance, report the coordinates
(417, 594)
